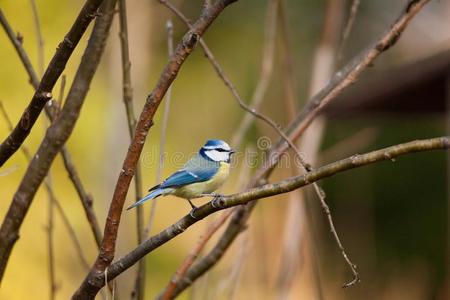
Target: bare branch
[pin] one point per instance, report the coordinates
(248, 197)
(55, 137)
(51, 75)
(91, 285)
(127, 87)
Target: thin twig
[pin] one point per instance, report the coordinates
(56, 135)
(163, 135)
(17, 40)
(50, 242)
(39, 38)
(43, 92)
(90, 286)
(127, 87)
(348, 27)
(51, 112)
(61, 91)
(48, 179)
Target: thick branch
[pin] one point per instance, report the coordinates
(51, 75)
(265, 191)
(55, 137)
(90, 286)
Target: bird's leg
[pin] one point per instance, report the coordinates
(215, 195)
(194, 208)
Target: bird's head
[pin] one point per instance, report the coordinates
(216, 150)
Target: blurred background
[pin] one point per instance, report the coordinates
(392, 216)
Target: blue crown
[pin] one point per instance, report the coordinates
(214, 143)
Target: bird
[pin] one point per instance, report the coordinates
(201, 175)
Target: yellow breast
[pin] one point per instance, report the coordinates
(196, 189)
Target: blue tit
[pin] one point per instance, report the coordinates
(201, 175)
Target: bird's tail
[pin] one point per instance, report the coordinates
(152, 195)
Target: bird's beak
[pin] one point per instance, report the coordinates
(232, 151)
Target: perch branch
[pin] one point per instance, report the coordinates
(264, 191)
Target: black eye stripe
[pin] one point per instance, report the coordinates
(218, 150)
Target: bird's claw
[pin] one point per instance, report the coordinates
(193, 210)
(214, 201)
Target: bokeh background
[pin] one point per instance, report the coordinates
(392, 217)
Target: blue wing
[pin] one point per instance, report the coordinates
(185, 177)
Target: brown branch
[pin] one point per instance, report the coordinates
(127, 91)
(340, 81)
(248, 197)
(51, 75)
(91, 285)
(52, 112)
(56, 135)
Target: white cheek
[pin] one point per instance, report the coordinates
(217, 156)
